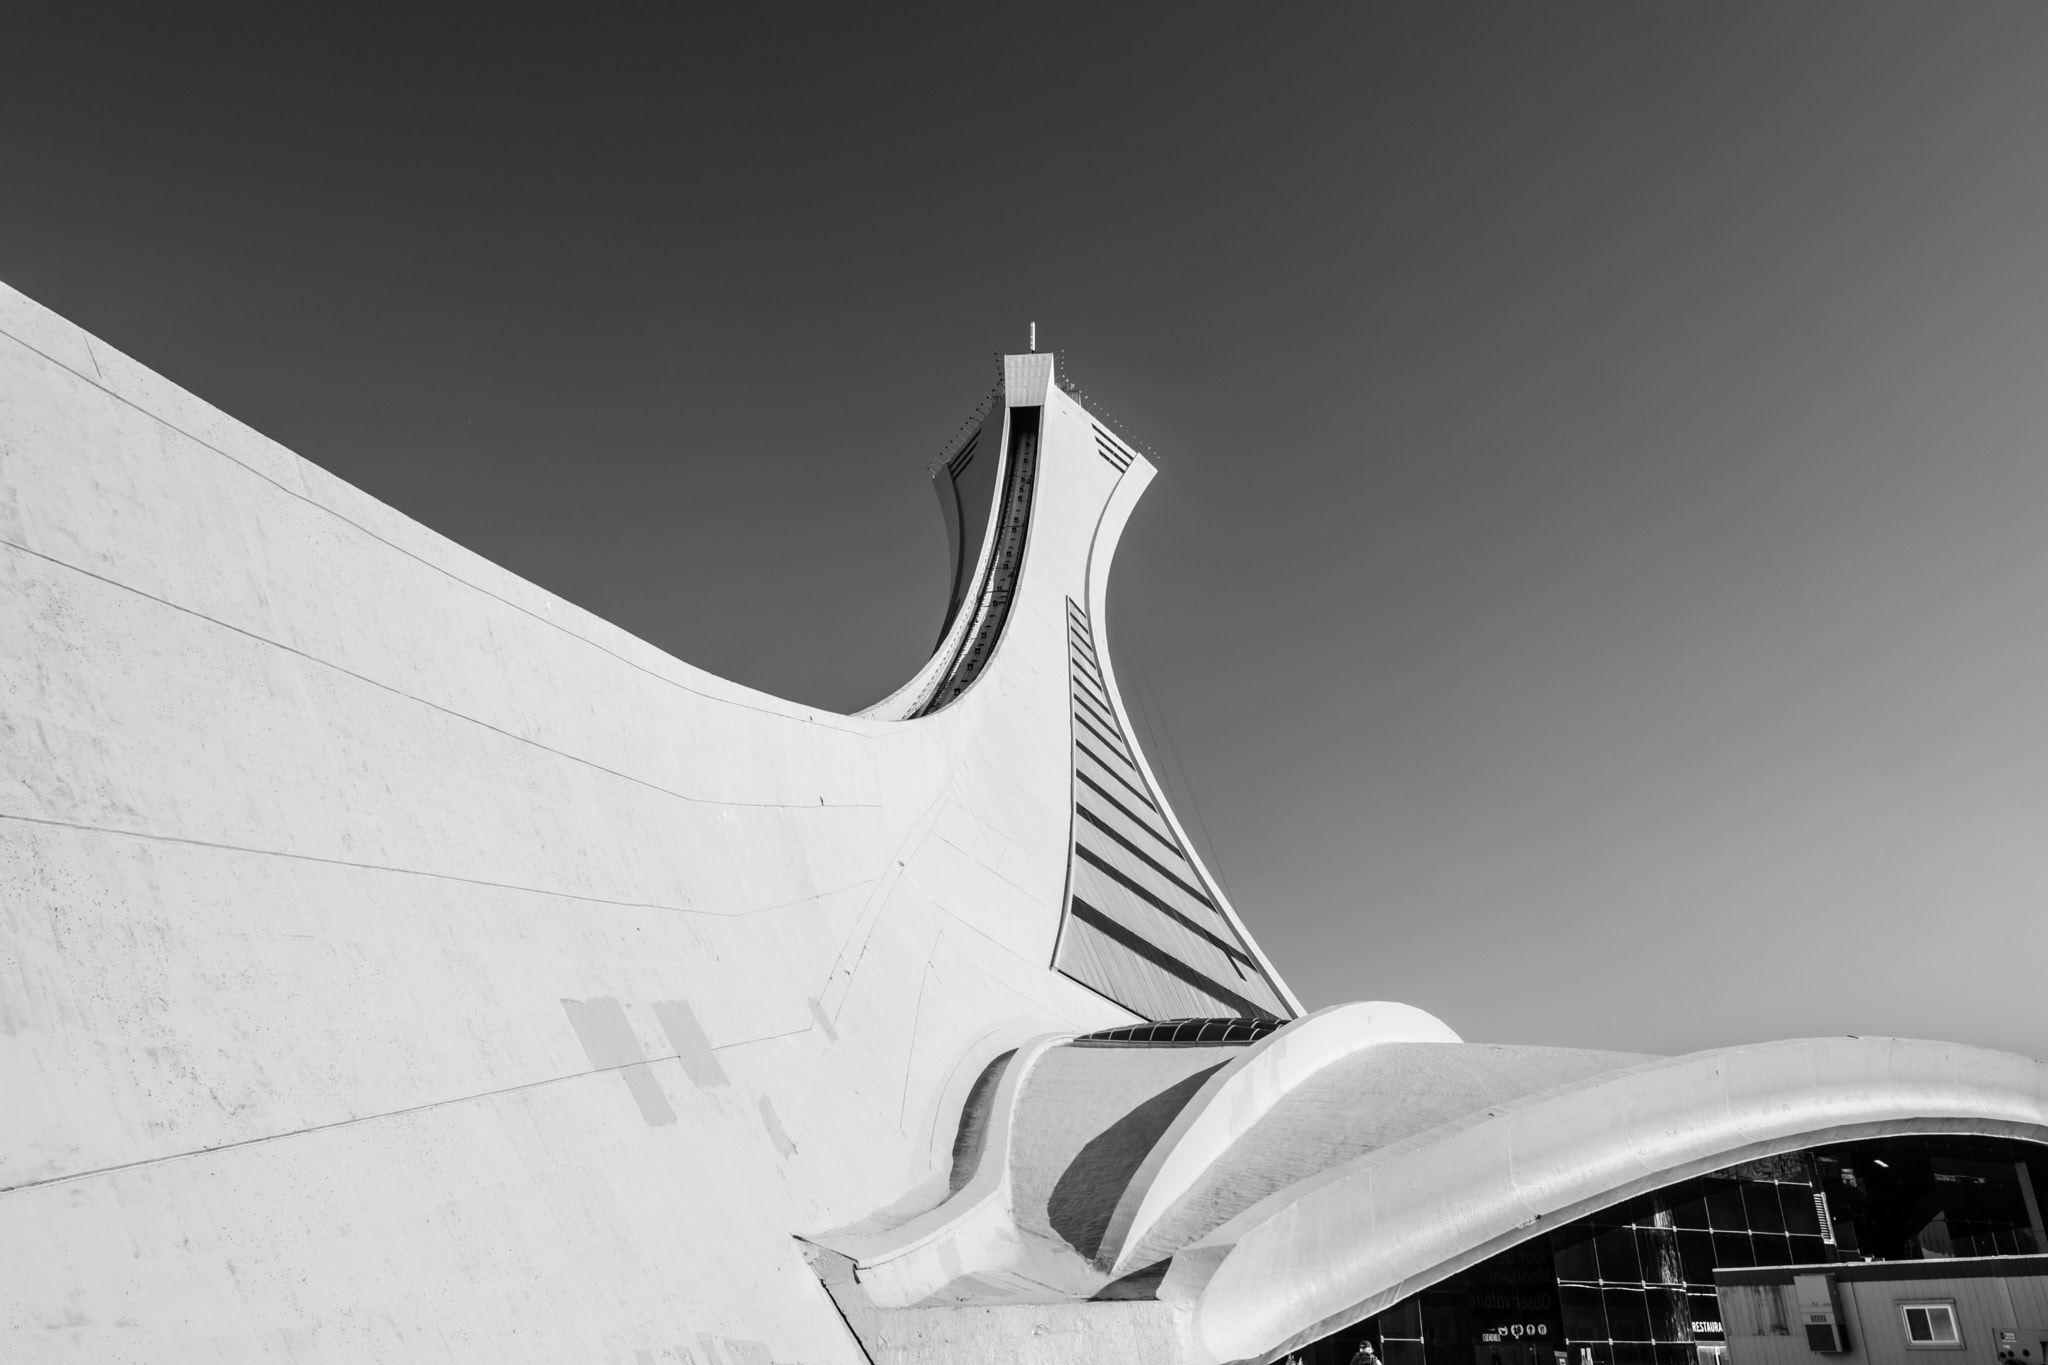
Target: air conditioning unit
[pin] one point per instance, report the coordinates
(1820, 1313)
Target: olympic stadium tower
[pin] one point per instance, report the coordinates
(399, 963)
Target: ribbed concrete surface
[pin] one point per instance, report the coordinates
(1088, 1119)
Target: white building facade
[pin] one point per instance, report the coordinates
(397, 962)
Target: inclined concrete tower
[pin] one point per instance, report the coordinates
(399, 963)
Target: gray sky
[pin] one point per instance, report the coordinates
(1596, 587)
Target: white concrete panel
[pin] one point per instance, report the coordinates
(543, 1224)
(49, 335)
(1026, 379)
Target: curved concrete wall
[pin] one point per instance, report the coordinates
(1361, 1236)
(966, 482)
(1243, 1092)
(396, 954)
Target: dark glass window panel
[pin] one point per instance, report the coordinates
(1704, 1308)
(1674, 1354)
(1455, 1352)
(1724, 1209)
(1400, 1352)
(1760, 1202)
(1670, 1320)
(1732, 1250)
(1976, 1239)
(1628, 1314)
(1572, 1254)
(1618, 1260)
(1802, 1219)
(1641, 1209)
(1772, 1249)
(1690, 1212)
(1446, 1325)
(1934, 1239)
(1404, 1319)
(1657, 1248)
(1809, 1251)
(1584, 1317)
(1634, 1353)
(1696, 1254)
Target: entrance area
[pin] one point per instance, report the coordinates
(1634, 1284)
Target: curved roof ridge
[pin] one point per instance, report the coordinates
(1343, 1244)
(1397, 1094)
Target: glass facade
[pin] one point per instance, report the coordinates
(1634, 1283)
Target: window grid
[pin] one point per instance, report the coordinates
(1636, 1284)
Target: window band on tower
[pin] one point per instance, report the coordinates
(999, 589)
(1143, 926)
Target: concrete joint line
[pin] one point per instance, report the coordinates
(831, 997)
(396, 871)
(145, 1162)
(422, 701)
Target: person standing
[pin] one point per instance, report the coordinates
(1365, 1354)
